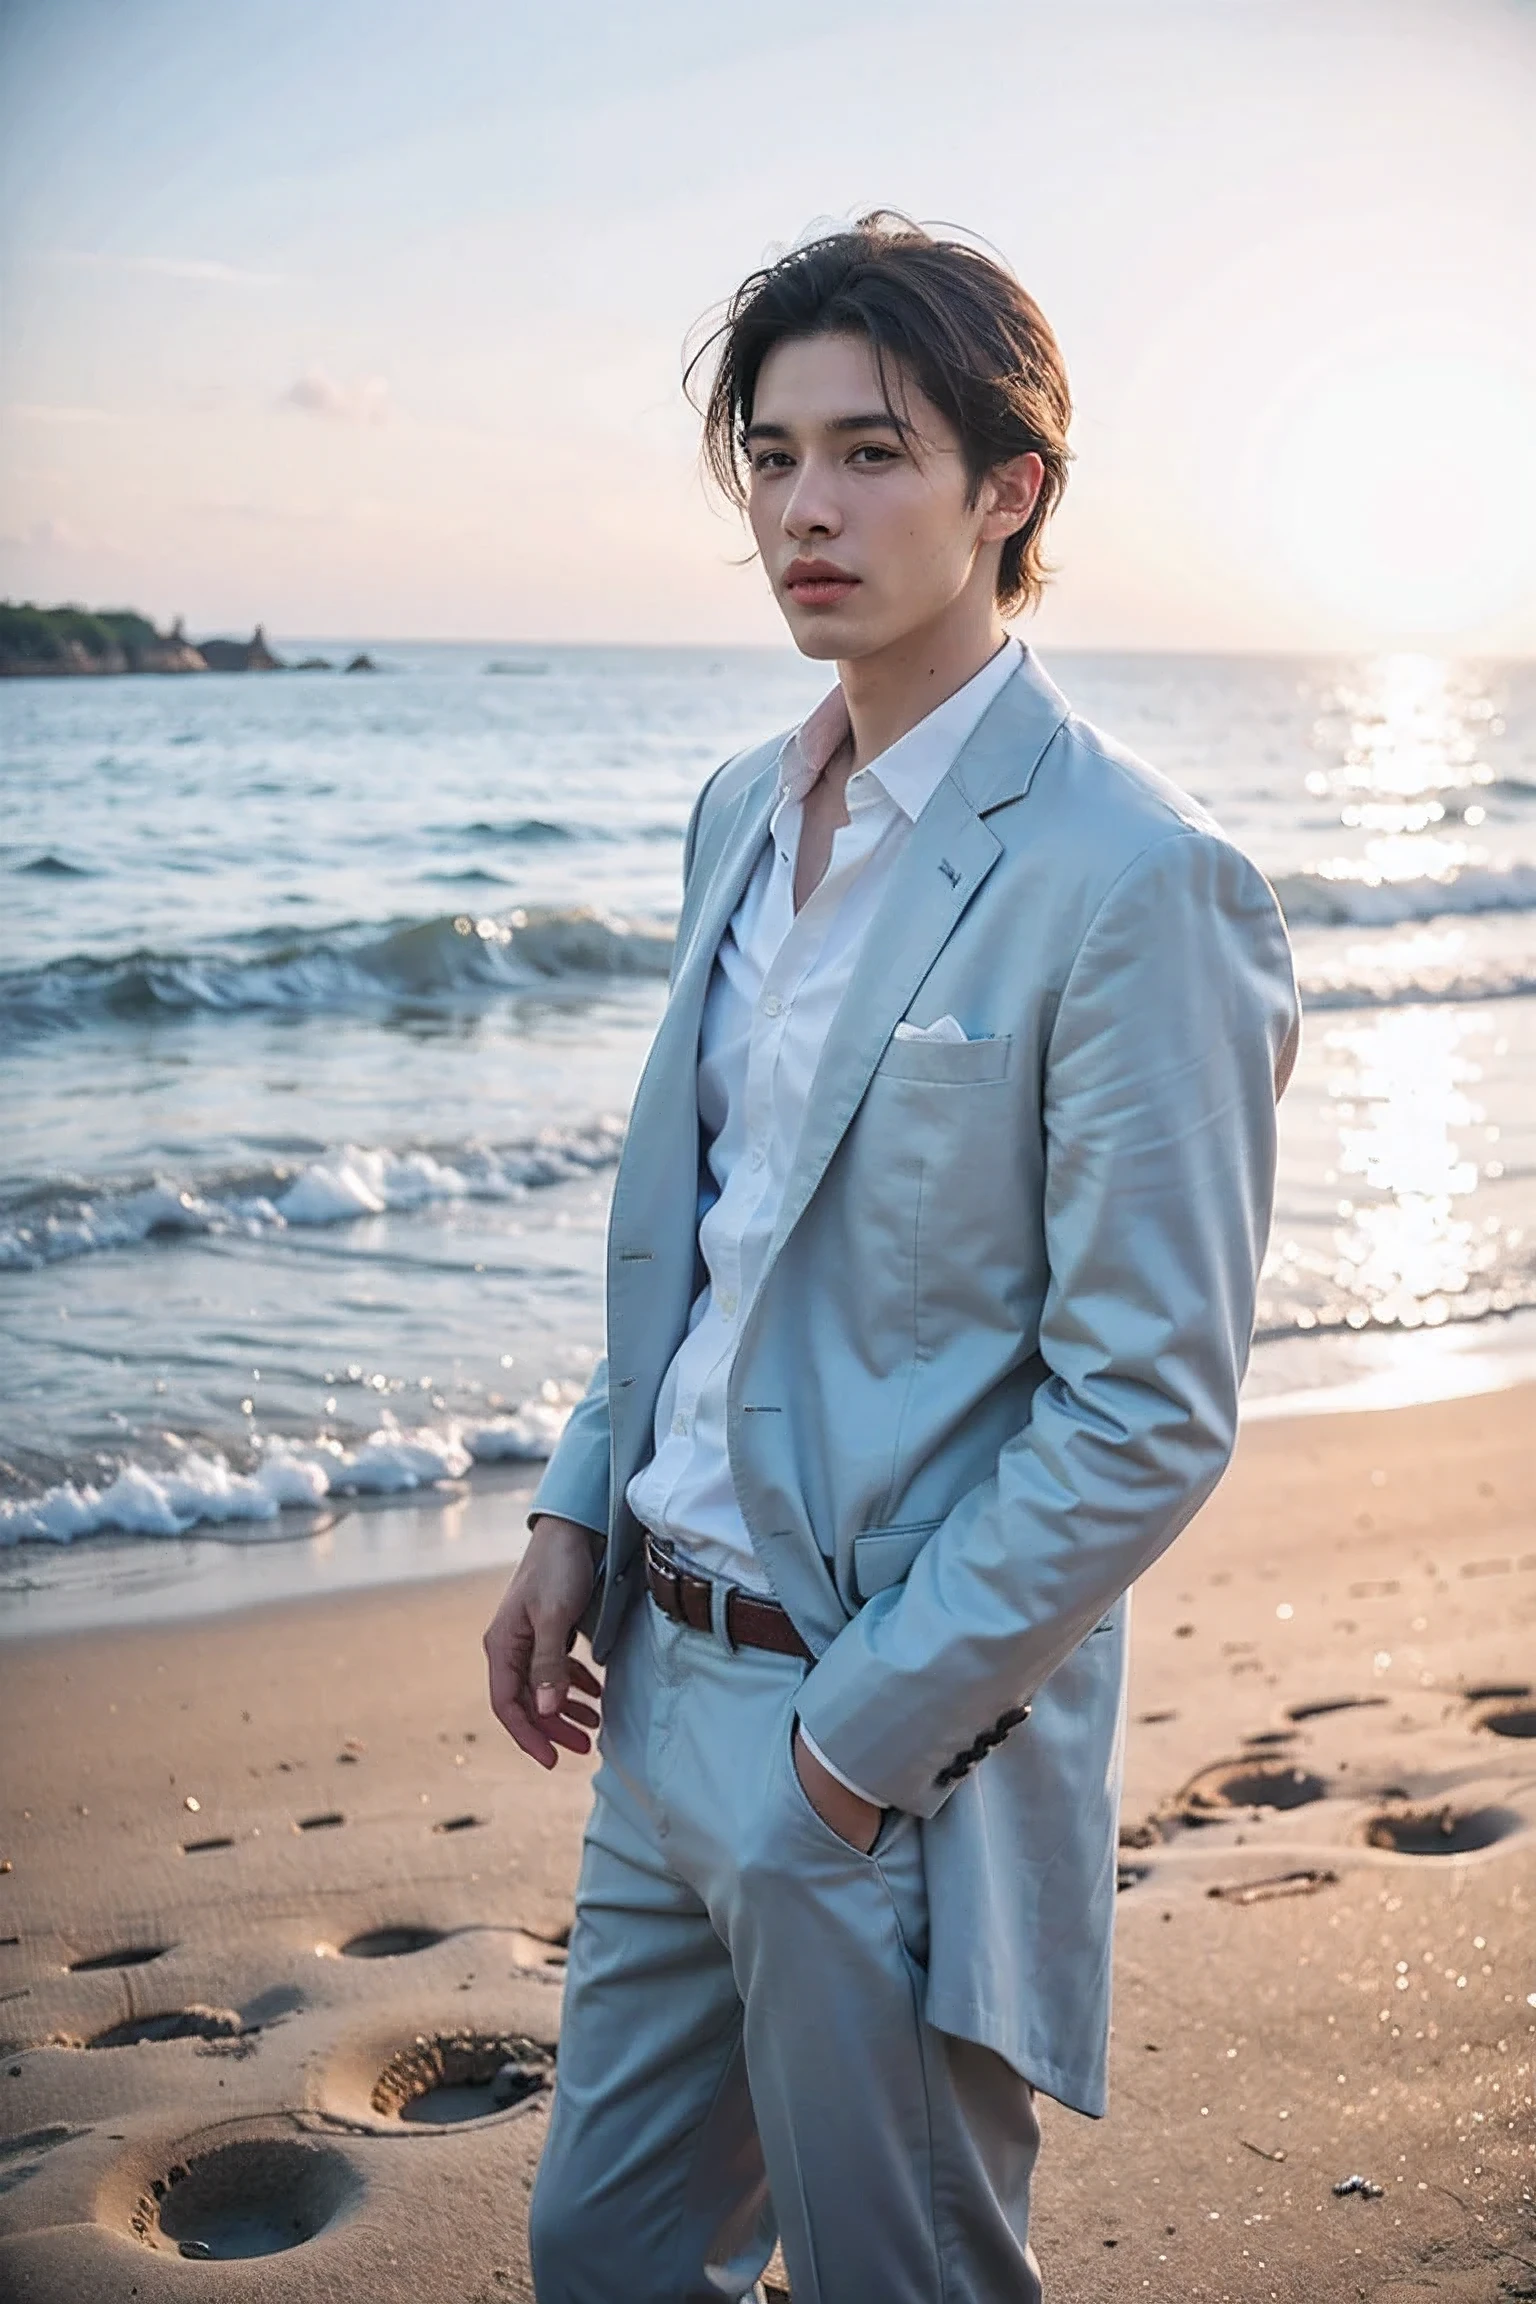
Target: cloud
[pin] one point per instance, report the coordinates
(316, 393)
(199, 268)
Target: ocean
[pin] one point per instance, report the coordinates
(322, 999)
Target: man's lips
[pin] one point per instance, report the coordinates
(817, 583)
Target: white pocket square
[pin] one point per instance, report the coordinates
(947, 1028)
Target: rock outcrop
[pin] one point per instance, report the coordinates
(251, 655)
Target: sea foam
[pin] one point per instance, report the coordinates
(202, 1490)
(344, 1182)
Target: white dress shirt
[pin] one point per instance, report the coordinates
(778, 978)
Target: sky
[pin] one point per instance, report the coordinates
(365, 317)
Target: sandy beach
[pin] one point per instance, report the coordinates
(281, 1919)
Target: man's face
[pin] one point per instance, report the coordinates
(866, 536)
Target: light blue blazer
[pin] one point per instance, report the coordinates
(993, 1365)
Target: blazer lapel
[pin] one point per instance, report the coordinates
(653, 1228)
(946, 860)
(668, 1089)
(950, 853)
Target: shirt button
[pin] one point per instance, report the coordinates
(759, 1156)
(727, 1303)
(680, 1426)
(773, 1005)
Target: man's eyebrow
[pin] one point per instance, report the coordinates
(874, 420)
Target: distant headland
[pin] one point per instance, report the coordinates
(73, 642)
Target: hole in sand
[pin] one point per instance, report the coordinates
(332, 1816)
(1326, 1704)
(1496, 1691)
(1130, 1876)
(201, 1847)
(454, 2076)
(247, 2199)
(1443, 1831)
(1264, 1739)
(1510, 1720)
(1255, 1783)
(175, 2024)
(458, 1824)
(125, 1956)
(389, 1943)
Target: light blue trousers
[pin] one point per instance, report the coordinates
(743, 2053)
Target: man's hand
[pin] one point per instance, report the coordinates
(536, 1684)
(852, 1819)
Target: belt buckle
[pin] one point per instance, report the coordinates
(665, 1572)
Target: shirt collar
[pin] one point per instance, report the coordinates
(911, 769)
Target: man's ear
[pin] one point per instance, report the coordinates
(1010, 493)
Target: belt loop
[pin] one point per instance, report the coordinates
(719, 1613)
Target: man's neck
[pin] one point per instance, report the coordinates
(889, 692)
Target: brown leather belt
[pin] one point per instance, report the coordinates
(750, 1622)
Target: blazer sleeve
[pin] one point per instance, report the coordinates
(577, 1479)
(1159, 1093)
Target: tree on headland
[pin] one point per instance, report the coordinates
(75, 640)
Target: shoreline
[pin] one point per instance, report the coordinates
(361, 1544)
(361, 1541)
(271, 1872)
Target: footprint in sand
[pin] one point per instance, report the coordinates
(1443, 1831)
(389, 1943)
(1233, 1785)
(1508, 1720)
(459, 1824)
(244, 2199)
(443, 2080)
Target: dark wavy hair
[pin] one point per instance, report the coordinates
(955, 321)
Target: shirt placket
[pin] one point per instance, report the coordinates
(773, 1114)
(767, 1125)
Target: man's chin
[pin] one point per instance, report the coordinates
(830, 637)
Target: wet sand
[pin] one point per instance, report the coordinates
(280, 1933)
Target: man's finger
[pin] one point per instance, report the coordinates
(549, 1675)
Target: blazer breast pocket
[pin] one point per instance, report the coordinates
(947, 1063)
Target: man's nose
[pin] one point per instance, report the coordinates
(812, 506)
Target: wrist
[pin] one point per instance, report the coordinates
(594, 1540)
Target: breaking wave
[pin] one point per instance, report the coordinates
(200, 1488)
(1327, 900)
(453, 960)
(51, 1223)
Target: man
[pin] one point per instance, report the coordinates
(930, 1287)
